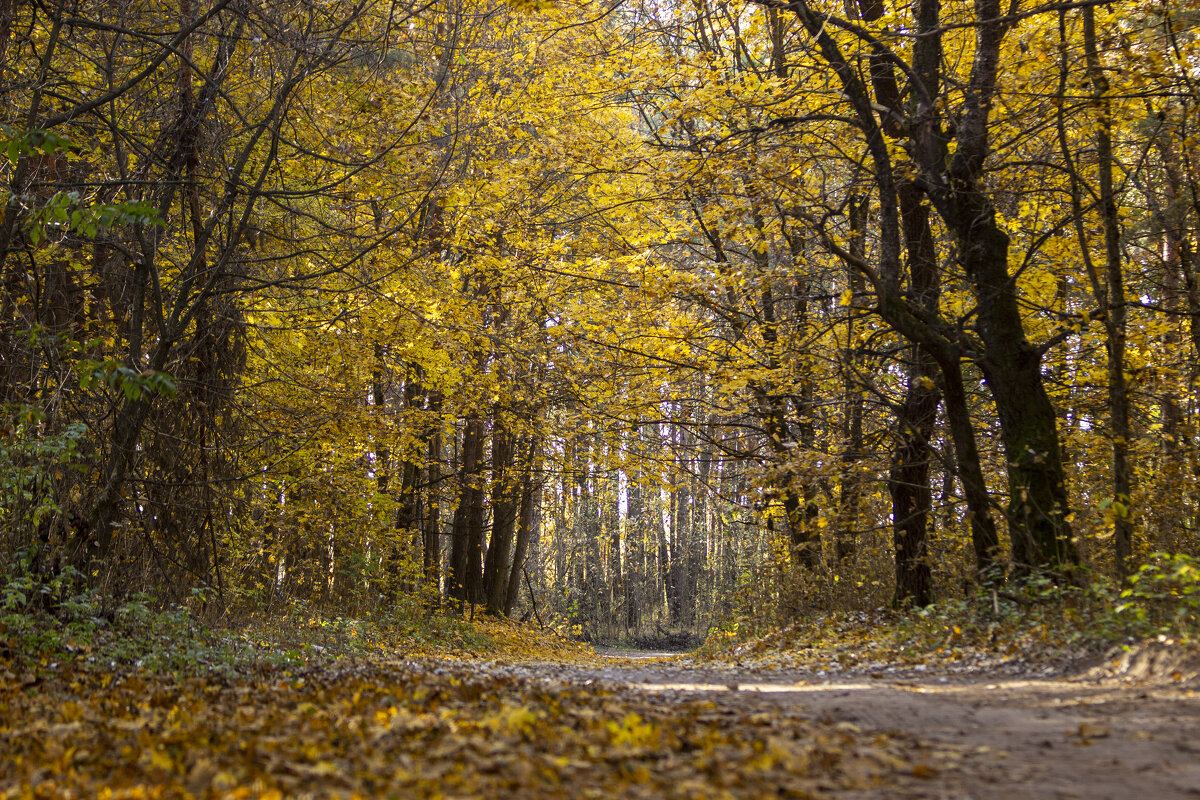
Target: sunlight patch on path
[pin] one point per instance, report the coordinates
(765, 688)
(640, 655)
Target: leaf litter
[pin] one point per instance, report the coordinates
(505, 711)
(417, 728)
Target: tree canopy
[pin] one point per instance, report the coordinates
(641, 315)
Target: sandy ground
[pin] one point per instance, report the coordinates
(1094, 735)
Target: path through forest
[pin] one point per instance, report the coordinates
(1028, 733)
(575, 725)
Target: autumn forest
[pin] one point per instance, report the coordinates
(637, 318)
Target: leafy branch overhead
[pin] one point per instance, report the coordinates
(634, 319)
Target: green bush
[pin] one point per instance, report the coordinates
(1163, 596)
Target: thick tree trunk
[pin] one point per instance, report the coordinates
(1038, 505)
(908, 478)
(1038, 511)
(908, 483)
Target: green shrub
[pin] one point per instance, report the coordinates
(1163, 596)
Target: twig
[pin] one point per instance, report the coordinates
(532, 598)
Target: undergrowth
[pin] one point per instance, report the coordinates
(1160, 601)
(48, 624)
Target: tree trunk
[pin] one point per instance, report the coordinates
(853, 402)
(467, 540)
(1038, 506)
(1171, 213)
(908, 478)
(908, 483)
(635, 575)
(666, 589)
(407, 500)
(431, 553)
(1113, 303)
(985, 540)
(505, 505)
(525, 526)
(616, 576)
(798, 501)
(956, 183)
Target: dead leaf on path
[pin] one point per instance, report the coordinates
(1093, 730)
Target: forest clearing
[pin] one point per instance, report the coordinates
(365, 364)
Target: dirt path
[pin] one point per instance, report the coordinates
(648, 728)
(986, 737)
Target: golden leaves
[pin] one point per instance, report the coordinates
(358, 729)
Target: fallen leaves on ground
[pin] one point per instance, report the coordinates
(887, 644)
(359, 728)
(953, 643)
(509, 640)
(302, 637)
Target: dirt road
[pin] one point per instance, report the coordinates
(1013, 736)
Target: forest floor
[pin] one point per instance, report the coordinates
(1115, 728)
(532, 717)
